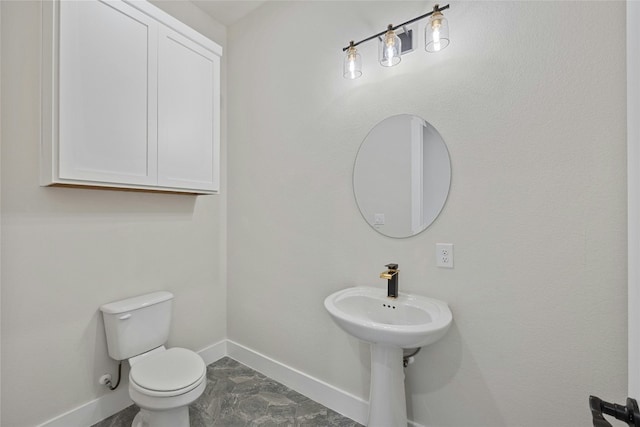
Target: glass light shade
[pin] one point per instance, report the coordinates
(389, 49)
(436, 36)
(352, 68)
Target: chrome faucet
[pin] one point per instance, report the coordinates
(392, 280)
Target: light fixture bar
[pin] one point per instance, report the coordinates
(411, 21)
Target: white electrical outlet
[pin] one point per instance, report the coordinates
(444, 255)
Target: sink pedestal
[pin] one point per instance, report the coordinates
(387, 403)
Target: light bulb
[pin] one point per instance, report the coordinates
(436, 37)
(389, 56)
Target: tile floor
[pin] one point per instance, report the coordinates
(238, 396)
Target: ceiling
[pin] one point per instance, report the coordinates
(227, 12)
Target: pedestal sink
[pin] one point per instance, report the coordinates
(389, 325)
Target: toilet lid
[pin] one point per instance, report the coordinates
(173, 369)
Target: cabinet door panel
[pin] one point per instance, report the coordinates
(107, 107)
(188, 120)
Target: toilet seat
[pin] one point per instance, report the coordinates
(168, 373)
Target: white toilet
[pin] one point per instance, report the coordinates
(162, 382)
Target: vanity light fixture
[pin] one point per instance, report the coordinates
(390, 46)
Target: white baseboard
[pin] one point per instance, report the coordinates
(94, 411)
(338, 400)
(114, 402)
(214, 352)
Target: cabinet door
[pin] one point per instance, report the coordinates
(107, 93)
(188, 115)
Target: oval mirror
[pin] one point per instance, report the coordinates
(401, 176)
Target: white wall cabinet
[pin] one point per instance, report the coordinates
(131, 99)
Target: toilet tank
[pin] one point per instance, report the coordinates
(137, 325)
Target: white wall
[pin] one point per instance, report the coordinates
(67, 251)
(530, 98)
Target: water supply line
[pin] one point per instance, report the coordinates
(107, 381)
(408, 359)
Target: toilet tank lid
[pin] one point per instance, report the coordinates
(135, 303)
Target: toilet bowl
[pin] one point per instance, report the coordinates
(162, 382)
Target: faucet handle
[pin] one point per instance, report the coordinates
(392, 266)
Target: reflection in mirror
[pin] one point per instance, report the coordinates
(401, 176)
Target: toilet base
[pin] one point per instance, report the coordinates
(177, 417)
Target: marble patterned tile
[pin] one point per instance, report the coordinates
(238, 396)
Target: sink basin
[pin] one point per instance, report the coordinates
(409, 321)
